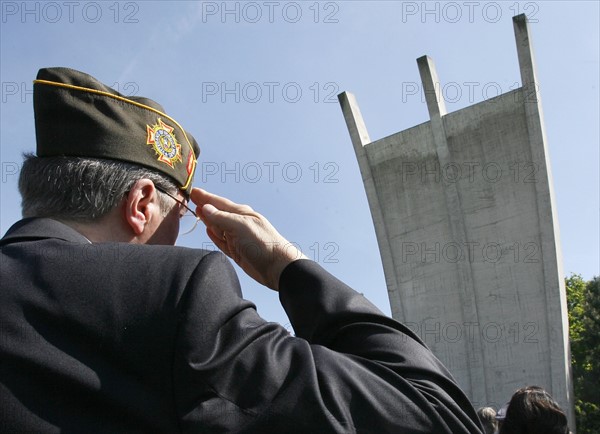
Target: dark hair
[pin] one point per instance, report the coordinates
(532, 410)
(81, 189)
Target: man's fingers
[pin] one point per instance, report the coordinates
(209, 210)
(217, 222)
(218, 239)
(218, 219)
(202, 197)
(225, 245)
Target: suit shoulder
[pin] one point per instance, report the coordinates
(146, 253)
(145, 262)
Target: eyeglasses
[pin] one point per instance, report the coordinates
(186, 225)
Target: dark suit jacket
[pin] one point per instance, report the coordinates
(117, 337)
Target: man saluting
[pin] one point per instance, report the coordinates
(108, 327)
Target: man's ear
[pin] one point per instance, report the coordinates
(140, 204)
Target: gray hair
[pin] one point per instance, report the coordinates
(487, 416)
(82, 189)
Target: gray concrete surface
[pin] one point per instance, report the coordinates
(464, 215)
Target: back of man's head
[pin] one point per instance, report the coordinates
(81, 189)
(93, 144)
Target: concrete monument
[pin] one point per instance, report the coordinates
(464, 214)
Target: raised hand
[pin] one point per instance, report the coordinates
(245, 236)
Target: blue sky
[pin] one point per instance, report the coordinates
(257, 84)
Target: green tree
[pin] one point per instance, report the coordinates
(583, 302)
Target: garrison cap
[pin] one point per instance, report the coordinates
(76, 115)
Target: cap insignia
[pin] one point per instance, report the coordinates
(162, 139)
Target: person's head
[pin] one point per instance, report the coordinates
(532, 410)
(487, 416)
(83, 191)
(105, 159)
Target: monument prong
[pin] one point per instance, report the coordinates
(431, 87)
(360, 138)
(556, 301)
(354, 120)
(526, 57)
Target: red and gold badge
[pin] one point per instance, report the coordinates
(162, 139)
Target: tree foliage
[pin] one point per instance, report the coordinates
(583, 302)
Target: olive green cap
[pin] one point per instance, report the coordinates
(76, 115)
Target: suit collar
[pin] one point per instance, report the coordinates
(31, 229)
